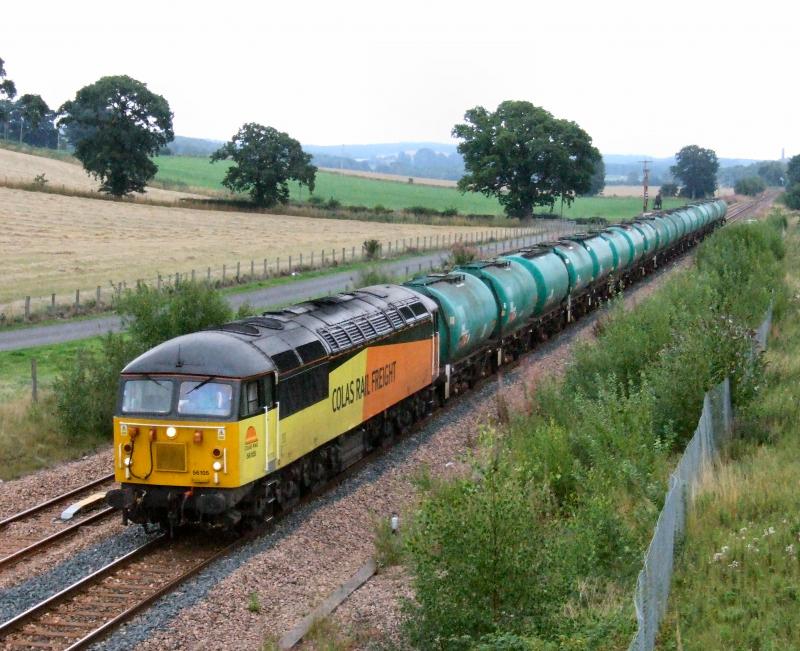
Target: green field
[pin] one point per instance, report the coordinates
(181, 172)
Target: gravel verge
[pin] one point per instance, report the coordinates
(19, 494)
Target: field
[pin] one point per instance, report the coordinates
(53, 243)
(186, 173)
(19, 167)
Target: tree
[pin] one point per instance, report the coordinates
(524, 156)
(8, 91)
(117, 124)
(751, 186)
(696, 167)
(793, 170)
(773, 172)
(669, 189)
(265, 160)
(598, 182)
(31, 111)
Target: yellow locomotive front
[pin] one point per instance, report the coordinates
(187, 446)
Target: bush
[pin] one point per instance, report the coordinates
(86, 392)
(315, 200)
(153, 316)
(751, 186)
(372, 249)
(461, 254)
(483, 560)
(792, 197)
(374, 276)
(669, 189)
(333, 204)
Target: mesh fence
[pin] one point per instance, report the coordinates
(713, 431)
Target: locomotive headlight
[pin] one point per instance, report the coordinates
(217, 466)
(127, 461)
(171, 432)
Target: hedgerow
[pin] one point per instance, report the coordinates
(540, 546)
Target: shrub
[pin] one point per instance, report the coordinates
(372, 249)
(314, 200)
(483, 560)
(374, 276)
(462, 254)
(153, 316)
(792, 197)
(380, 208)
(751, 186)
(669, 189)
(333, 204)
(86, 391)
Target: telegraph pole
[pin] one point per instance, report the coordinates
(645, 181)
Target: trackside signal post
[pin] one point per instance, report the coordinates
(645, 182)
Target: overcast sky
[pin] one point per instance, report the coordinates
(641, 77)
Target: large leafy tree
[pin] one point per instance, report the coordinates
(8, 91)
(524, 156)
(264, 161)
(696, 168)
(31, 111)
(116, 125)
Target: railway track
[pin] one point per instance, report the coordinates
(91, 607)
(39, 527)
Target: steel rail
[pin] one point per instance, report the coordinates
(56, 500)
(62, 533)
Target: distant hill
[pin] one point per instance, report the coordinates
(438, 160)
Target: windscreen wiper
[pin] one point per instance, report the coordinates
(152, 379)
(202, 384)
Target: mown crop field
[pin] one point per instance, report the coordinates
(53, 243)
(184, 172)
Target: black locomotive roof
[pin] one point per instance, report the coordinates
(289, 338)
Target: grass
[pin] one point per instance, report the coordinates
(15, 366)
(185, 172)
(737, 584)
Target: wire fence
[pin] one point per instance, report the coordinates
(712, 433)
(98, 298)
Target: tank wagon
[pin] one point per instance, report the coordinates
(228, 426)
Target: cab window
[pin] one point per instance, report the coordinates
(205, 399)
(147, 396)
(256, 396)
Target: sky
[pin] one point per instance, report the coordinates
(640, 77)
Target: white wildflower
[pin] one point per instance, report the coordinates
(790, 549)
(743, 529)
(733, 565)
(717, 557)
(725, 549)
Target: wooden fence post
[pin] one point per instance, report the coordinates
(77, 298)
(252, 269)
(290, 265)
(208, 275)
(158, 283)
(238, 270)
(27, 307)
(97, 299)
(53, 302)
(266, 272)
(223, 274)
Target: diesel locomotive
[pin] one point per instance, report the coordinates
(226, 427)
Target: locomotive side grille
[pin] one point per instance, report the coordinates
(394, 317)
(170, 457)
(380, 322)
(353, 331)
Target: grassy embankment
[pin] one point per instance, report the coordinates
(182, 172)
(737, 581)
(539, 545)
